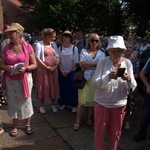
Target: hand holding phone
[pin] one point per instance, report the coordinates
(120, 72)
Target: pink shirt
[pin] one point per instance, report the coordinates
(12, 59)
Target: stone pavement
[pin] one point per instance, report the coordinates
(53, 131)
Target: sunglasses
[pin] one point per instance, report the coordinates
(94, 41)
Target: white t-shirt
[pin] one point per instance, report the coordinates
(68, 57)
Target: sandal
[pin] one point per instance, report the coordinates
(76, 126)
(89, 122)
(29, 130)
(14, 131)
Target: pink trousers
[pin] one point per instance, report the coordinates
(107, 118)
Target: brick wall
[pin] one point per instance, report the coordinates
(1, 19)
(13, 13)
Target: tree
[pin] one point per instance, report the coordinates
(101, 16)
(59, 16)
(138, 12)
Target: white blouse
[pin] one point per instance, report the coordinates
(84, 56)
(112, 93)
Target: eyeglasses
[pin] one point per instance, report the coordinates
(116, 50)
(92, 40)
(11, 32)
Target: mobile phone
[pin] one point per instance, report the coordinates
(120, 72)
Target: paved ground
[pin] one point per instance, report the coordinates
(53, 131)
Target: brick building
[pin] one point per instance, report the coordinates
(13, 11)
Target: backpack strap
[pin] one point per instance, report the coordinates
(72, 49)
(84, 42)
(61, 47)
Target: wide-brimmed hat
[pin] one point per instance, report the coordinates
(67, 33)
(14, 27)
(116, 41)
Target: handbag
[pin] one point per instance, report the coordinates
(131, 103)
(79, 79)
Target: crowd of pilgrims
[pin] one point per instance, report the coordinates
(58, 58)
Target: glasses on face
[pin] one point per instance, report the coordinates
(11, 32)
(116, 50)
(92, 40)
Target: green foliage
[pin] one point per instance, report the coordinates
(101, 16)
(59, 16)
(28, 2)
(138, 13)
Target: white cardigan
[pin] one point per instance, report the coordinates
(84, 56)
(39, 50)
(109, 92)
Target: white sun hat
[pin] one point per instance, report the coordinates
(116, 41)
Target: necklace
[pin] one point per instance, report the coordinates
(16, 49)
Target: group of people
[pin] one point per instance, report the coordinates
(53, 68)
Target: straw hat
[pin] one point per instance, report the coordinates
(116, 42)
(68, 33)
(14, 27)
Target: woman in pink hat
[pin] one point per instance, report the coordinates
(110, 98)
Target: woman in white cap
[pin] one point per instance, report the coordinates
(18, 60)
(110, 98)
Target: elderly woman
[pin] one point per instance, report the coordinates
(89, 58)
(18, 60)
(47, 86)
(111, 93)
